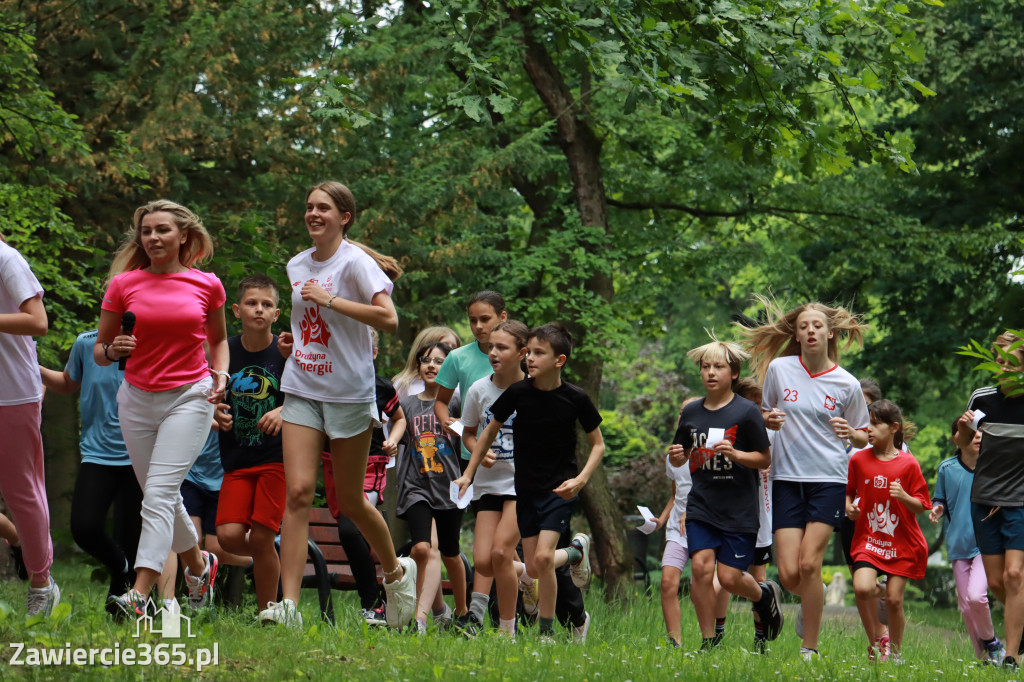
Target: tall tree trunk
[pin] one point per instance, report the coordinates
(582, 149)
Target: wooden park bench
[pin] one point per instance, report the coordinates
(327, 568)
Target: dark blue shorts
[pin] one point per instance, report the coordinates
(202, 503)
(1002, 531)
(732, 549)
(795, 504)
(546, 511)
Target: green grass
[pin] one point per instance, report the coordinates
(625, 643)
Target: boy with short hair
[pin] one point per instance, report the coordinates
(997, 496)
(252, 495)
(724, 439)
(547, 479)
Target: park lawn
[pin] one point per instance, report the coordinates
(624, 644)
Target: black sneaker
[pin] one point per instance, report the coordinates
(771, 613)
(19, 562)
(760, 645)
(710, 643)
(468, 626)
(1010, 662)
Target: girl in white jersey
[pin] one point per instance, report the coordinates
(339, 291)
(815, 405)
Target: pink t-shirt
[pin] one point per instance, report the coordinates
(170, 327)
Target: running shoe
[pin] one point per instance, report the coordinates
(468, 625)
(760, 645)
(579, 634)
(710, 643)
(995, 652)
(200, 588)
(809, 655)
(1010, 662)
(531, 597)
(882, 644)
(132, 604)
(42, 599)
(401, 595)
(19, 562)
(444, 620)
(771, 613)
(580, 572)
(373, 617)
(281, 612)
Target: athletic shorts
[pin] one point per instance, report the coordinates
(762, 556)
(449, 525)
(866, 564)
(675, 555)
(546, 511)
(1002, 531)
(337, 420)
(202, 503)
(796, 504)
(492, 503)
(732, 549)
(253, 495)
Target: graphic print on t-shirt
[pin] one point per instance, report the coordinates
(705, 457)
(314, 329)
(429, 449)
(252, 392)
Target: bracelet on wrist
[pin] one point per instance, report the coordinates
(330, 301)
(106, 347)
(220, 372)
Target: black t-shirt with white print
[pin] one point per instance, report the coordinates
(724, 493)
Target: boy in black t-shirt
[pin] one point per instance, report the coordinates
(724, 439)
(547, 479)
(997, 496)
(252, 495)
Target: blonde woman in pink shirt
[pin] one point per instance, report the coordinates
(167, 399)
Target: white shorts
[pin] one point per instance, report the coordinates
(337, 420)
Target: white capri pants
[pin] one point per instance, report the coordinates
(164, 432)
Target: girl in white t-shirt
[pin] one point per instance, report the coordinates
(497, 530)
(22, 483)
(815, 406)
(339, 291)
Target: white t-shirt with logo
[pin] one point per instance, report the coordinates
(19, 366)
(806, 448)
(681, 477)
(332, 359)
(476, 413)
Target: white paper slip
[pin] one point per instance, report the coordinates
(458, 427)
(463, 501)
(391, 462)
(714, 436)
(650, 523)
(978, 416)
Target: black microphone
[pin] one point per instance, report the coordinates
(127, 327)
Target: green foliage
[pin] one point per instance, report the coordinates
(1003, 364)
(625, 439)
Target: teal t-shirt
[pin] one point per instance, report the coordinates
(101, 441)
(207, 472)
(463, 367)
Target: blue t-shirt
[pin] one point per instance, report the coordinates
(101, 441)
(207, 472)
(953, 491)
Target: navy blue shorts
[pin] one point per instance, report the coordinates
(546, 511)
(202, 503)
(732, 549)
(795, 504)
(1002, 531)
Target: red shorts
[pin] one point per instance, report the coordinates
(253, 495)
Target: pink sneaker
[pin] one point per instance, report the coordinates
(200, 588)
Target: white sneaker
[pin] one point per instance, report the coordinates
(283, 613)
(42, 599)
(581, 572)
(579, 634)
(401, 595)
